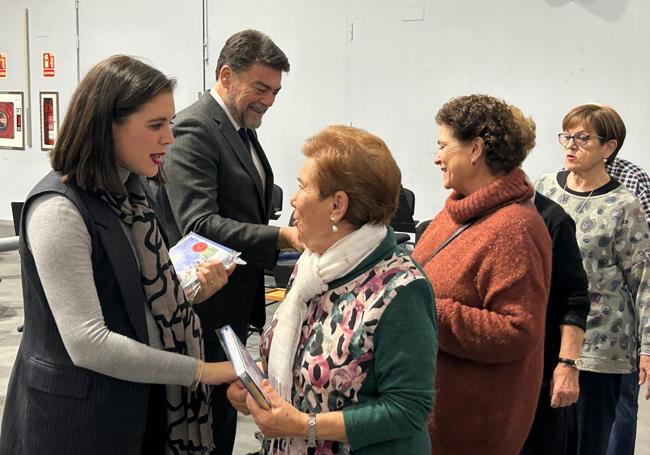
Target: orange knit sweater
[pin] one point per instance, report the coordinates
(491, 285)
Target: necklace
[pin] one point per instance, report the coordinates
(582, 206)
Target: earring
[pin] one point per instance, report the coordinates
(473, 162)
(335, 228)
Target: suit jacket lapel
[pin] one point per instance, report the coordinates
(236, 143)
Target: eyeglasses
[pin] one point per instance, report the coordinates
(580, 139)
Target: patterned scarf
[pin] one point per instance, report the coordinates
(188, 416)
(313, 274)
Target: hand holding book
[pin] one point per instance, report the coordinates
(193, 253)
(245, 367)
(212, 276)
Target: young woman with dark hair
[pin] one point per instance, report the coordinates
(111, 356)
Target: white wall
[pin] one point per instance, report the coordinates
(392, 75)
(543, 55)
(51, 28)
(165, 33)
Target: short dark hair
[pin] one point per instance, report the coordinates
(247, 47)
(603, 119)
(84, 152)
(506, 142)
(360, 164)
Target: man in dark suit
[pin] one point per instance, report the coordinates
(220, 184)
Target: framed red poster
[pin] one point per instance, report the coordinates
(12, 131)
(49, 102)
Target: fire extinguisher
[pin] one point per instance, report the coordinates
(48, 121)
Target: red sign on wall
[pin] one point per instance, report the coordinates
(48, 64)
(3, 66)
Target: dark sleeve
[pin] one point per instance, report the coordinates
(405, 348)
(569, 283)
(192, 169)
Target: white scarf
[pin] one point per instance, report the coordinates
(314, 272)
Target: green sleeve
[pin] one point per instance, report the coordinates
(405, 348)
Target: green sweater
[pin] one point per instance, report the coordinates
(397, 395)
(376, 329)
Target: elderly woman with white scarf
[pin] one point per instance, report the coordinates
(351, 351)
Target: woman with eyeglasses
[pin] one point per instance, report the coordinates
(615, 245)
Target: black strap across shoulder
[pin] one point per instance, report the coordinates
(453, 235)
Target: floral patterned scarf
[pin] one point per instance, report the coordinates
(314, 272)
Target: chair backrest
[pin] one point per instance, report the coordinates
(420, 228)
(409, 196)
(16, 212)
(402, 220)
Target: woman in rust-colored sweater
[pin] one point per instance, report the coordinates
(491, 282)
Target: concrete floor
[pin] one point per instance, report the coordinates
(11, 316)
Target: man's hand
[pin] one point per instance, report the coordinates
(289, 238)
(564, 386)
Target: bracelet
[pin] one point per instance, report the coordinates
(311, 430)
(197, 375)
(575, 363)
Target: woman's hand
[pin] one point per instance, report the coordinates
(215, 373)
(281, 420)
(212, 276)
(564, 386)
(644, 372)
(237, 394)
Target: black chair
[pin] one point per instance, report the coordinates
(16, 213)
(420, 228)
(409, 197)
(402, 220)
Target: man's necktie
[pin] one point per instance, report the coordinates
(243, 133)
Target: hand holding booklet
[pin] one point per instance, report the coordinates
(193, 249)
(245, 367)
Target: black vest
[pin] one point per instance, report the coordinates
(53, 406)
